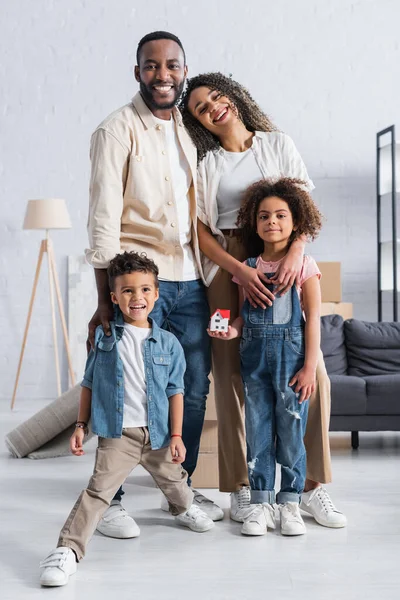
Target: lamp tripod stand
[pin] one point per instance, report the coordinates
(46, 247)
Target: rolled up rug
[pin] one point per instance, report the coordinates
(46, 434)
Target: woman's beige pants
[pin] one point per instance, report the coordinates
(229, 398)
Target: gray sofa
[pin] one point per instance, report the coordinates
(363, 364)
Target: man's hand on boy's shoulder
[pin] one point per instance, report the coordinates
(103, 315)
(178, 450)
(76, 442)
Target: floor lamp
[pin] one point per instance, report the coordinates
(47, 214)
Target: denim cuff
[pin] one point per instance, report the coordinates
(283, 497)
(260, 496)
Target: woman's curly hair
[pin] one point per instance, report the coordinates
(306, 216)
(247, 109)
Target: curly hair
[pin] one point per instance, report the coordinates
(247, 109)
(306, 216)
(130, 262)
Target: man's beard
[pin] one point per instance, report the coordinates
(147, 93)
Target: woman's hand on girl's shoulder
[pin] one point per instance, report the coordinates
(289, 269)
(253, 282)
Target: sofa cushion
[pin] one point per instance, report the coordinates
(372, 348)
(332, 344)
(383, 394)
(348, 395)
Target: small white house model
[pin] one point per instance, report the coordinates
(220, 320)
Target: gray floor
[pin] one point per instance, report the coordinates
(167, 562)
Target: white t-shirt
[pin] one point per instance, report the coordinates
(181, 179)
(130, 348)
(240, 170)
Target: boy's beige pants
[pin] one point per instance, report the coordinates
(115, 459)
(229, 399)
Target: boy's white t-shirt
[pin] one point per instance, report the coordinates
(130, 348)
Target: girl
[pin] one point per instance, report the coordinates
(238, 145)
(279, 351)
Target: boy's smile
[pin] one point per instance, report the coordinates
(136, 294)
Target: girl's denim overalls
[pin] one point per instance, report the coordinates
(272, 351)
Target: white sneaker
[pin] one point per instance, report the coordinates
(260, 518)
(319, 504)
(116, 522)
(211, 509)
(291, 520)
(57, 567)
(195, 519)
(240, 504)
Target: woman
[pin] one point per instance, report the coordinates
(237, 145)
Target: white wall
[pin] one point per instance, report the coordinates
(325, 70)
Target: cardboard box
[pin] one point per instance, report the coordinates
(206, 473)
(209, 437)
(331, 284)
(345, 309)
(211, 413)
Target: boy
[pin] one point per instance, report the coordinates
(133, 384)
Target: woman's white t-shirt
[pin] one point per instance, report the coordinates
(239, 171)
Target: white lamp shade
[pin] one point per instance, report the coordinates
(49, 213)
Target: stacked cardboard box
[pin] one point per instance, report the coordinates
(206, 473)
(331, 291)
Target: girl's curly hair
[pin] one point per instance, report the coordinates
(247, 109)
(306, 216)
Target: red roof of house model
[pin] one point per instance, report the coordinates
(225, 314)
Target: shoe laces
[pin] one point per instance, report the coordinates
(258, 510)
(255, 513)
(325, 499)
(292, 511)
(243, 497)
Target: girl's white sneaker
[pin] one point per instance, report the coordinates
(291, 520)
(57, 567)
(259, 519)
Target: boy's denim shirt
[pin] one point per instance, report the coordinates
(164, 364)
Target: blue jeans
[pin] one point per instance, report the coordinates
(182, 308)
(275, 421)
(271, 352)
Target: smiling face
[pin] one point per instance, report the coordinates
(213, 110)
(136, 294)
(161, 73)
(274, 220)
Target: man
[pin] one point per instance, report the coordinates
(143, 198)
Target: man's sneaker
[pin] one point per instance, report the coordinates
(240, 504)
(57, 567)
(116, 522)
(260, 518)
(211, 509)
(318, 503)
(291, 520)
(195, 519)
(205, 504)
